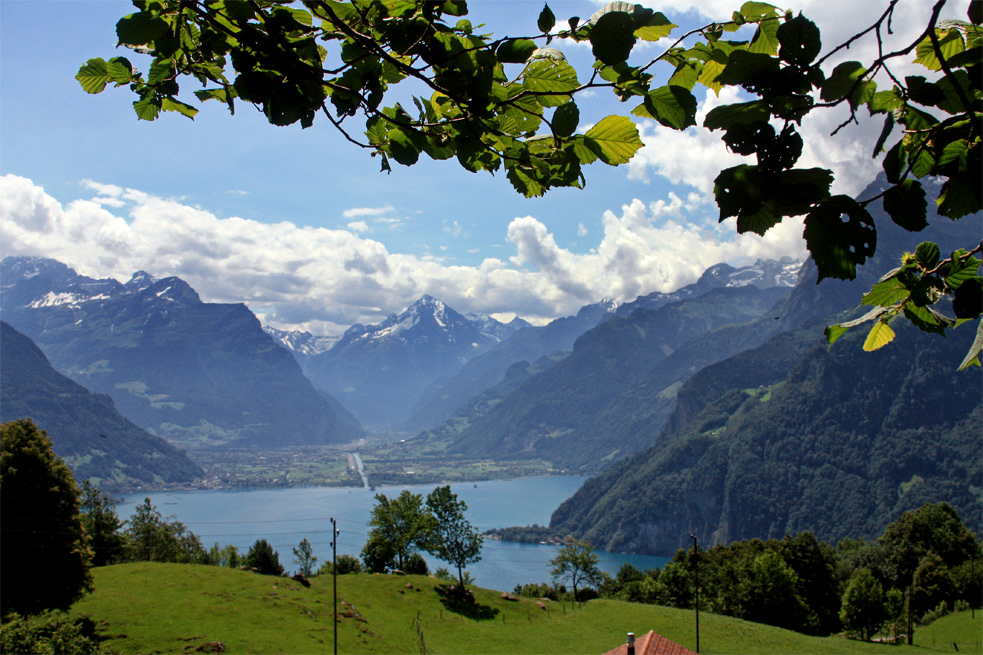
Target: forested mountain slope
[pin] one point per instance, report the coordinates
(94, 439)
(841, 448)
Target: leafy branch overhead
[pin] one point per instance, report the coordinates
(510, 104)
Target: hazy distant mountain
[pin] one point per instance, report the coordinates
(378, 371)
(302, 345)
(194, 372)
(545, 415)
(445, 397)
(96, 441)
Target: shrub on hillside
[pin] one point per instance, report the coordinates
(49, 632)
(347, 564)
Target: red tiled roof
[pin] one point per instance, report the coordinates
(652, 644)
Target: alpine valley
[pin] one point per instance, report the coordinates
(716, 409)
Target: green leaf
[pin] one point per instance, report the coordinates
(582, 151)
(728, 115)
(686, 74)
(961, 269)
(834, 332)
(800, 41)
(885, 132)
(612, 37)
(968, 300)
(842, 80)
(93, 75)
(614, 140)
(749, 69)
(879, 336)
(654, 28)
(147, 109)
(950, 43)
(525, 181)
(552, 77)
(672, 106)
(120, 70)
(765, 40)
(927, 319)
(402, 148)
(956, 153)
(960, 197)
(883, 101)
(927, 254)
(752, 11)
(906, 205)
(546, 20)
(566, 118)
(894, 162)
(140, 28)
(516, 51)
(170, 104)
(973, 356)
(885, 293)
(840, 235)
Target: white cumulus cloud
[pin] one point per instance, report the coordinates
(325, 280)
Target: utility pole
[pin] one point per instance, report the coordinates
(696, 566)
(334, 578)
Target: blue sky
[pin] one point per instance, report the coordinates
(304, 228)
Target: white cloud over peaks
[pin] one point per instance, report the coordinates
(325, 280)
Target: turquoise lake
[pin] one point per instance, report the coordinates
(286, 516)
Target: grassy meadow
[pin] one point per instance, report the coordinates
(174, 608)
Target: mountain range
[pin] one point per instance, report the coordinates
(444, 397)
(379, 371)
(202, 374)
(787, 434)
(96, 441)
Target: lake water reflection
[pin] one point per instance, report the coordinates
(286, 516)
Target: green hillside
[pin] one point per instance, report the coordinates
(173, 608)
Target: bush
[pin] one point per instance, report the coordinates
(416, 565)
(347, 564)
(49, 632)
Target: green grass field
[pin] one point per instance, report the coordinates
(172, 608)
(964, 629)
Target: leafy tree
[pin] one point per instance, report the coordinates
(769, 594)
(263, 558)
(932, 528)
(102, 525)
(452, 538)
(45, 558)
(346, 564)
(150, 538)
(863, 611)
(510, 103)
(378, 555)
(400, 525)
(931, 585)
(577, 563)
(231, 557)
(304, 557)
